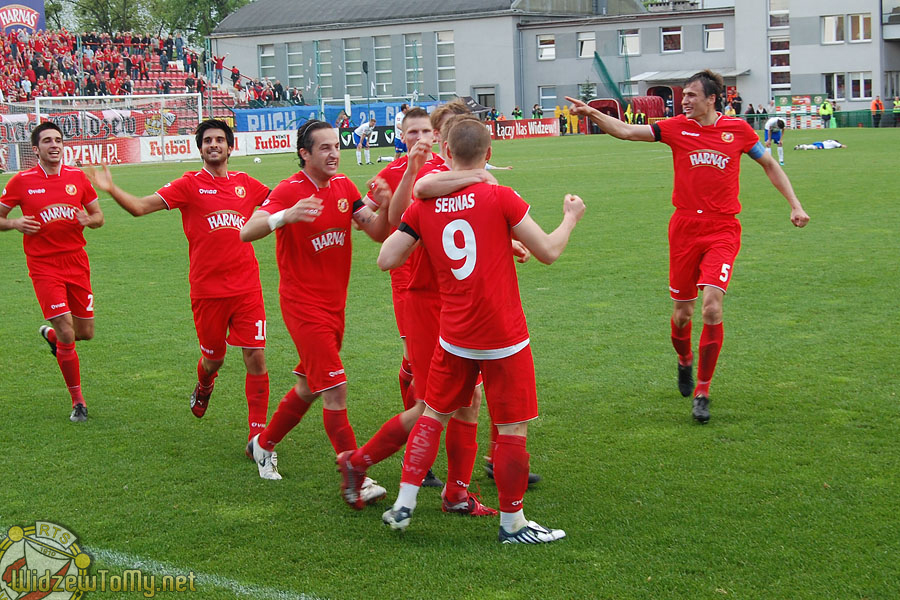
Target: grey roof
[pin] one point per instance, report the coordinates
(296, 15)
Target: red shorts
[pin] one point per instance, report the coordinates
(62, 284)
(237, 321)
(317, 334)
(398, 296)
(508, 385)
(422, 319)
(702, 251)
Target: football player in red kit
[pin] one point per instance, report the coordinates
(226, 295)
(704, 233)
(57, 203)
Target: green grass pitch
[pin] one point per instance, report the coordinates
(789, 492)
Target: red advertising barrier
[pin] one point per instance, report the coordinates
(94, 124)
(110, 151)
(523, 128)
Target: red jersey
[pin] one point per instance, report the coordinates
(314, 258)
(392, 174)
(213, 210)
(53, 200)
(707, 161)
(467, 237)
(421, 271)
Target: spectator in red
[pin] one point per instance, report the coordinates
(219, 62)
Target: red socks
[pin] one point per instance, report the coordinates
(257, 389)
(338, 429)
(462, 447)
(406, 378)
(511, 471)
(421, 450)
(67, 359)
(383, 444)
(681, 341)
(290, 411)
(206, 380)
(51, 335)
(710, 346)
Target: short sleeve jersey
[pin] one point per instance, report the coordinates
(467, 238)
(772, 123)
(53, 201)
(314, 258)
(363, 130)
(707, 161)
(392, 174)
(398, 121)
(422, 278)
(213, 210)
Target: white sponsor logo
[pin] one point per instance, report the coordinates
(225, 219)
(328, 239)
(673, 290)
(202, 191)
(709, 158)
(454, 204)
(335, 373)
(38, 191)
(55, 306)
(60, 211)
(205, 350)
(690, 134)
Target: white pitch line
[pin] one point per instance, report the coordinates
(126, 561)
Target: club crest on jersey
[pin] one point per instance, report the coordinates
(709, 158)
(225, 219)
(239, 191)
(71, 189)
(343, 205)
(328, 239)
(57, 212)
(727, 137)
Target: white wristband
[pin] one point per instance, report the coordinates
(276, 220)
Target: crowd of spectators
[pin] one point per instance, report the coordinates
(46, 63)
(263, 92)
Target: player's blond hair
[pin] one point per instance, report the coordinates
(467, 138)
(454, 107)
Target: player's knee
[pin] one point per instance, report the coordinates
(712, 312)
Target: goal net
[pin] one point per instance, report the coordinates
(100, 129)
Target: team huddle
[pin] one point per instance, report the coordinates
(450, 236)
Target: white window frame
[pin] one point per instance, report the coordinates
(674, 30)
(295, 77)
(836, 89)
(779, 69)
(833, 30)
(586, 44)
(354, 81)
(713, 28)
(626, 36)
(541, 97)
(861, 18)
(546, 46)
(383, 72)
(325, 74)
(266, 58)
(861, 77)
(446, 73)
(780, 11)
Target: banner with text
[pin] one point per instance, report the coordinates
(22, 14)
(523, 128)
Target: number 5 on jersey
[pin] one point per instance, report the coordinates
(465, 252)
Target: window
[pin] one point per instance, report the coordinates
(295, 65)
(861, 86)
(629, 42)
(546, 47)
(834, 85)
(412, 43)
(323, 69)
(587, 44)
(779, 13)
(833, 29)
(485, 96)
(446, 65)
(266, 61)
(383, 72)
(780, 64)
(547, 95)
(714, 37)
(891, 84)
(671, 39)
(353, 68)
(628, 89)
(861, 28)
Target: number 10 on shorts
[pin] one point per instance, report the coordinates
(260, 330)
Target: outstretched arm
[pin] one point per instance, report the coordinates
(102, 180)
(434, 185)
(780, 180)
(547, 247)
(610, 125)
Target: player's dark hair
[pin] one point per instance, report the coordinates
(37, 131)
(712, 83)
(304, 136)
(467, 138)
(416, 112)
(214, 124)
(404, 106)
(780, 124)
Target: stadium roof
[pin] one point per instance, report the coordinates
(293, 15)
